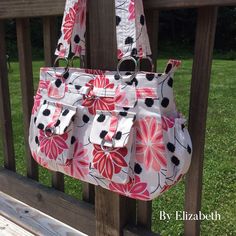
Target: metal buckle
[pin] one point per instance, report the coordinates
(82, 61)
(107, 149)
(66, 68)
(128, 58)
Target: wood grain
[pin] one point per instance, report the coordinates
(138, 231)
(33, 220)
(50, 39)
(201, 73)
(27, 87)
(88, 193)
(144, 214)
(152, 21)
(77, 214)
(9, 228)
(165, 4)
(5, 106)
(112, 211)
(31, 8)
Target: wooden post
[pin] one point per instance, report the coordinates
(152, 21)
(206, 25)
(27, 87)
(49, 37)
(5, 106)
(112, 211)
(88, 194)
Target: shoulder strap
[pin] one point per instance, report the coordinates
(131, 31)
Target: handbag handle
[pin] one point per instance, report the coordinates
(131, 31)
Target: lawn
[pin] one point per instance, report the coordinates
(219, 182)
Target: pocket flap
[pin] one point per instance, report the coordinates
(54, 117)
(112, 129)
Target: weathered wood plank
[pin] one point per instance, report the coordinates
(50, 39)
(201, 73)
(164, 4)
(5, 106)
(138, 231)
(77, 214)
(88, 194)
(27, 87)
(152, 21)
(31, 8)
(9, 228)
(112, 211)
(144, 214)
(31, 219)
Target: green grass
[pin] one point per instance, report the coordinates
(219, 181)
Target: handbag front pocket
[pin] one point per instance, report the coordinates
(112, 138)
(54, 125)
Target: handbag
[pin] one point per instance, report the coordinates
(117, 129)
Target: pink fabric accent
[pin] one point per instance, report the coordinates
(56, 115)
(112, 128)
(175, 63)
(146, 92)
(121, 97)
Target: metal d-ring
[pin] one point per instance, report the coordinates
(82, 61)
(51, 130)
(107, 149)
(67, 64)
(147, 58)
(128, 58)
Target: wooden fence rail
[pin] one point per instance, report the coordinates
(106, 213)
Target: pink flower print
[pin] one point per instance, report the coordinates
(108, 163)
(79, 165)
(135, 189)
(121, 97)
(167, 123)
(131, 10)
(120, 54)
(52, 146)
(94, 72)
(69, 22)
(99, 103)
(81, 12)
(150, 149)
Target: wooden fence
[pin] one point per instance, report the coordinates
(101, 212)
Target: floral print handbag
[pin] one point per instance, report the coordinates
(120, 130)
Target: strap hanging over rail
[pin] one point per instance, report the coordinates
(131, 31)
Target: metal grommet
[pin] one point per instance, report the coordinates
(82, 61)
(67, 65)
(49, 131)
(128, 58)
(149, 59)
(107, 149)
